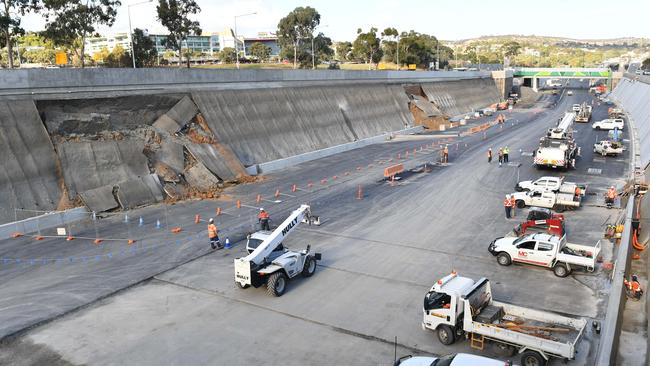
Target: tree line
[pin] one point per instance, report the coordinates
(69, 22)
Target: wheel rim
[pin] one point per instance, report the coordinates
(312, 266)
(503, 260)
(279, 285)
(530, 361)
(561, 271)
(444, 336)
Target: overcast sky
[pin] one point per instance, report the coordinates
(448, 20)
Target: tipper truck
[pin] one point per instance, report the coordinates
(457, 306)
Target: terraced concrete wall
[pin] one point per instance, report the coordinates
(634, 97)
(270, 124)
(28, 164)
(461, 96)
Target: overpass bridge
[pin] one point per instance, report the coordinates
(534, 74)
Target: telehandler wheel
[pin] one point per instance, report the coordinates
(560, 270)
(276, 284)
(242, 286)
(446, 335)
(521, 204)
(504, 259)
(310, 267)
(532, 358)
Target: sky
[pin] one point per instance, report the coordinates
(447, 20)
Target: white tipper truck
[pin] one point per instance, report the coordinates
(457, 306)
(558, 149)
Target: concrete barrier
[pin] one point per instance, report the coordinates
(611, 327)
(279, 164)
(89, 83)
(42, 222)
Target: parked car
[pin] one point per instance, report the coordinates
(609, 124)
(459, 359)
(606, 147)
(575, 108)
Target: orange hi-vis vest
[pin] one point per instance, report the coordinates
(512, 202)
(611, 193)
(263, 215)
(506, 202)
(212, 231)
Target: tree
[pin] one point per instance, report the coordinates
(367, 46)
(174, 15)
(144, 50)
(227, 55)
(646, 64)
(510, 49)
(295, 28)
(322, 51)
(260, 51)
(10, 23)
(344, 51)
(68, 22)
(389, 42)
(118, 58)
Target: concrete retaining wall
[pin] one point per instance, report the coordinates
(634, 97)
(457, 97)
(271, 166)
(43, 222)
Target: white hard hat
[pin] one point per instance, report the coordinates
(261, 209)
(612, 187)
(211, 219)
(507, 196)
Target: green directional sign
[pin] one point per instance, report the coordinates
(563, 73)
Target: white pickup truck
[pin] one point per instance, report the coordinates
(609, 124)
(550, 184)
(557, 201)
(606, 147)
(455, 306)
(545, 250)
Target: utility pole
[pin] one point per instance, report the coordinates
(128, 8)
(236, 37)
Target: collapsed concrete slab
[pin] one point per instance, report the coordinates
(461, 96)
(28, 163)
(88, 165)
(210, 156)
(201, 178)
(171, 153)
(140, 191)
(100, 199)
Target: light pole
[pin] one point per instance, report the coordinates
(128, 9)
(313, 62)
(236, 36)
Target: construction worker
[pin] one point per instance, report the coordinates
(578, 191)
(634, 287)
(489, 155)
(445, 154)
(263, 219)
(213, 235)
(513, 204)
(508, 207)
(506, 151)
(610, 196)
(500, 154)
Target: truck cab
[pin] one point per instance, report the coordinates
(442, 308)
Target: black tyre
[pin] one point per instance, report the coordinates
(521, 204)
(310, 267)
(276, 285)
(504, 259)
(242, 286)
(532, 358)
(446, 335)
(560, 270)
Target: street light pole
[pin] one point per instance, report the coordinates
(236, 37)
(397, 51)
(131, 29)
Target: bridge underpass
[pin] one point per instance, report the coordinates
(531, 76)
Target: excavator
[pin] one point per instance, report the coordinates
(270, 263)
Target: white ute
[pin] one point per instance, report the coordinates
(556, 201)
(545, 250)
(550, 184)
(268, 262)
(609, 124)
(606, 147)
(456, 305)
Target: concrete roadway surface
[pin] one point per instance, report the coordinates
(380, 256)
